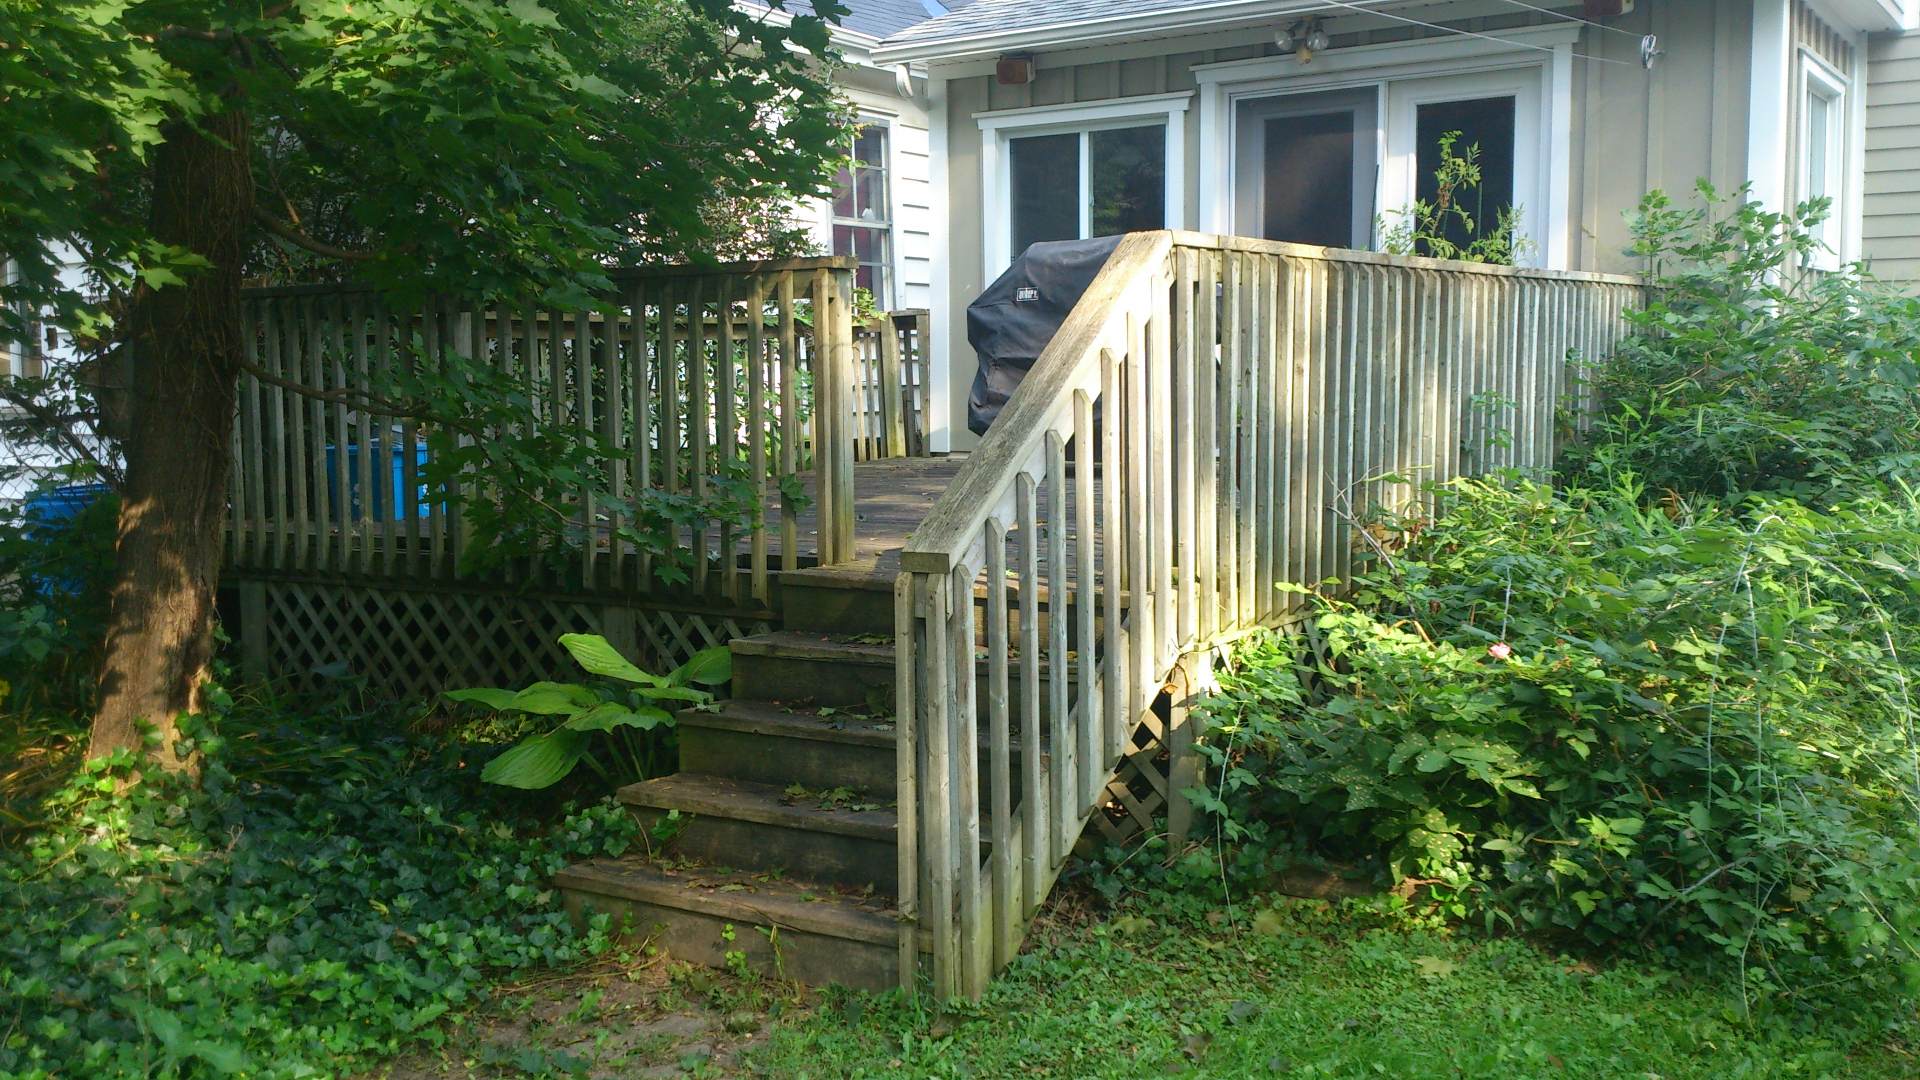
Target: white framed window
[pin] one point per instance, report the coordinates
(1078, 171)
(860, 212)
(1498, 111)
(1823, 153)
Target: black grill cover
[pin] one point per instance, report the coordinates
(1014, 318)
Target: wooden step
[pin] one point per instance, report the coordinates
(754, 826)
(854, 598)
(795, 668)
(771, 744)
(768, 744)
(820, 936)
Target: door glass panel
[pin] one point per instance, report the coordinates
(1308, 197)
(1127, 179)
(1483, 122)
(1044, 177)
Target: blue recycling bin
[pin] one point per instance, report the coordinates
(389, 476)
(47, 515)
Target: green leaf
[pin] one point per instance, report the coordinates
(599, 657)
(537, 762)
(553, 699)
(1432, 761)
(610, 714)
(491, 697)
(708, 667)
(673, 693)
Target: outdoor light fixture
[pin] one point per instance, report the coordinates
(1304, 38)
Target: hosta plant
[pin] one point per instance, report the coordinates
(612, 724)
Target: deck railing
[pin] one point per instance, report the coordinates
(747, 370)
(1214, 419)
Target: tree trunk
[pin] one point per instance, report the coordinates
(187, 349)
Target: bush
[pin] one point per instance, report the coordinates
(328, 894)
(54, 583)
(1685, 730)
(1746, 373)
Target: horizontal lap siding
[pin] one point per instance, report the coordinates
(1891, 231)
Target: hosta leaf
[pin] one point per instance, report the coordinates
(553, 699)
(491, 697)
(609, 715)
(538, 762)
(674, 693)
(594, 653)
(708, 667)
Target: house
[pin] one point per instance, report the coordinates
(1890, 228)
(1307, 120)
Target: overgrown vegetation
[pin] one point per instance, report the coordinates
(1455, 224)
(1667, 707)
(1281, 988)
(329, 893)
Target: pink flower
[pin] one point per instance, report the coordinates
(1500, 650)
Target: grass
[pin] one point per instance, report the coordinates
(1302, 989)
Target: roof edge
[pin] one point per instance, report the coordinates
(1121, 26)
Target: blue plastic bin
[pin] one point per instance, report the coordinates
(389, 475)
(56, 506)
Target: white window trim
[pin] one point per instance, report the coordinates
(1542, 55)
(824, 219)
(1818, 78)
(997, 128)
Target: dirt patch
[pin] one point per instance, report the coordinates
(633, 1015)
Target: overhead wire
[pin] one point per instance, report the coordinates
(1573, 18)
(1509, 42)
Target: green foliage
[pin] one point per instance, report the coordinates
(1274, 987)
(329, 895)
(1744, 372)
(1458, 209)
(628, 708)
(1687, 730)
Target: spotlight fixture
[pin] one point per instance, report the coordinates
(1303, 38)
(1283, 39)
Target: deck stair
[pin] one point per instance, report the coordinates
(782, 845)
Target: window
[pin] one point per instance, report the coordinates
(1073, 185)
(1823, 128)
(862, 221)
(1485, 123)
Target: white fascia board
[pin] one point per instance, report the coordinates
(1869, 15)
(1120, 26)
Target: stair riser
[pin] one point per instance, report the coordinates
(829, 858)
(795, 680)
(697, 938)
(821, 766)
(813, 608)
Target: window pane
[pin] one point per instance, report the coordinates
(1309, 187)
(870, 145)
(869, 248)
(843, 194)
(1044, 180)
(1488, 124)
(870, 194)
(1127, 179)
(1817, 149)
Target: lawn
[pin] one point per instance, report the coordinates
(1299, 988)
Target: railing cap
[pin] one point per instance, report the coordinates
(1220, 242)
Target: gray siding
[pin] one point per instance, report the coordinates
(1891, 231)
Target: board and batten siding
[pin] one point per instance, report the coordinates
(1632, 130)
(1891, 230)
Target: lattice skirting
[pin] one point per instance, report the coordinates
(1140, 789)
(412, 644)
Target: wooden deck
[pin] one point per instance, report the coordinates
(890, 498)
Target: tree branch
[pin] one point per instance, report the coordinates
(287, 231)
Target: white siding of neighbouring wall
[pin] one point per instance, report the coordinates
(1891, 232)
(910, 183)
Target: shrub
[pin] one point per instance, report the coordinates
(1745, 372)
(54, 582)
(1684, 729)
(328, 894)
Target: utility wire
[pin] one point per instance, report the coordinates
(1573, 18)
(1510, 43)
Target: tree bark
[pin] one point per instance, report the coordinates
(187, 351)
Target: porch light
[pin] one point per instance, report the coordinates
(1303, 38)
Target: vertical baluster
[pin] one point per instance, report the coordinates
(910, 736)
(699, 429)
(893, 417)
(1186, 425)
(1252, 410)
(313, 374)
(790, 427)
(966, 734)
(1007, 915)
(638, 431)
(938, 797)
(1037, 853)
(1228, 428)
(1206, 496)
(345, 527)
(1066, 802)
(757, 434)
(293, 409)
(258, 459)
(583, 418)
(1161, 437)
(1091, 732)
(672, 329)
(726, 446)
(827, 428)
(1270, 340)
(435, 346)
(1138, 507)
(1113, 533)
(1311, 418)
